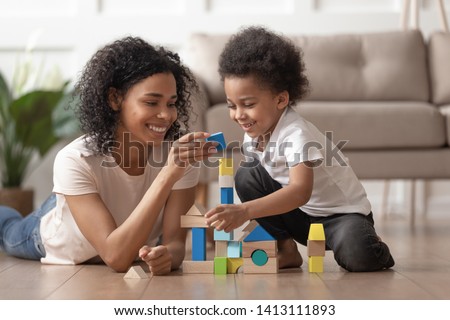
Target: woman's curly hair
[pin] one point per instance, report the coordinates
(120, 65)
(273, 59)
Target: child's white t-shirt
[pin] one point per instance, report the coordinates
(295, 140)
(78, 171)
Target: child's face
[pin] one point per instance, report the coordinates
(148, 109)
(256, 109)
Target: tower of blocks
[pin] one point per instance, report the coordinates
(196, 222)
(256, 249)
(316, 247)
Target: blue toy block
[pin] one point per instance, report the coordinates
(198, 244)
(218, 137)
(226, 196)
(234, 249)
(258, 234)
(223, 236)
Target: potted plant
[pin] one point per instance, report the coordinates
(31, 123)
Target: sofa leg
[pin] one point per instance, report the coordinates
(412, 211)
(385, 199)
(404, 15)
(442, 15)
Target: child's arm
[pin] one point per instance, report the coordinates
(294, 195)
(170, 254)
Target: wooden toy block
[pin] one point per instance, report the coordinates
(270, 247)
(258, 234)
(316, 232)
(226, 167)
(270, 267)
(316, 248)
(198, 266)
(233, 264)
(135, 272)
(198, 244)
(220, 265)
(218, 137)
(315, 264)
(259, 257)
(247, 229)
(221, 249)
(226, 196)
(226, 181)
(223, 236)
(196, 210)
(234, 249)
(193, 222)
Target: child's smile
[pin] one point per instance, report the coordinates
(255, 108)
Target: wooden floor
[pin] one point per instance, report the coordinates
(422, 271)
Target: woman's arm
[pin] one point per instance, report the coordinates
(294, 195)
(170, 254)
(118, 246)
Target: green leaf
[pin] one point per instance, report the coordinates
(65, 123)
(32, 114)
(14, 157)
(5, 100)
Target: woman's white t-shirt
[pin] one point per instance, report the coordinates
(295, 140)
(78, 171)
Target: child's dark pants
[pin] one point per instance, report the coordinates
(350, 236)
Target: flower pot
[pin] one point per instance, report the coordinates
(20, 199)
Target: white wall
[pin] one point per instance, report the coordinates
(71, 31)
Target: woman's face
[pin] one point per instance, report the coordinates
(148, 109)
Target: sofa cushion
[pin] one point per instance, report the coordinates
(439, 62)
(388, 66)
(372, 125)
(366, 125)
(400, 164)
(202, 56)
(445, 110)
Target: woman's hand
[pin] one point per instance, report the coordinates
(188, 150)
(159, 259)
(227, 217)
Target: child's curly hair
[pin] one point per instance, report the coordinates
(273, 59)
(120, 65)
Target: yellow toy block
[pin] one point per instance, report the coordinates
(226, 167)
(233, 264)
(316, 232)
(315, 264)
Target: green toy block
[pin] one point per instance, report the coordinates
(220, 265)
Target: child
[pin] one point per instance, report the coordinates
(288, 182)
(116, 195)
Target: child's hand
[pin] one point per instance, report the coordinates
(227, 217)
(158, 259)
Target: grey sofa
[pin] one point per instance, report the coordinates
(386, 94)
